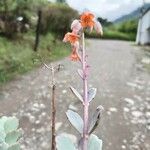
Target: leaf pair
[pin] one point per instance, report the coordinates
(91, 94)
(77, 121)
(65, 143)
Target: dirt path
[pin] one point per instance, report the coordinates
(123, 90)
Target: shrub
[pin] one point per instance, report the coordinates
(57, 17)
(128, 26)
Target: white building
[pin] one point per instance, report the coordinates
(143, 33)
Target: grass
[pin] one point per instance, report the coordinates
(18, 57)
(113, 34)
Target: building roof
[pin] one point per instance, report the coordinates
(145, 11)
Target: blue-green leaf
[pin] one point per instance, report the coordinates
(14, 147)
(3, 146)
(75, 120)
(64, 143)
(2, 137)
(94, 121)
(80, 72)
(94, 143)
(11, 124)
(12, 137)
(76, 93)
(2, 122)
(91, 94)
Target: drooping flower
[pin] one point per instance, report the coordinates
(75, 55)
(76, 26)
(98, 27)
(71, 37)
(87, 20)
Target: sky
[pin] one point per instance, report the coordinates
(110, 9)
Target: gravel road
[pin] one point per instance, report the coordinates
(117, 70)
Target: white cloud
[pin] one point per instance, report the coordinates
(110, 9)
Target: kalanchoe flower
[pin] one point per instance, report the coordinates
(71, 37)
(75, 55)
(76, 26)
(98, 27)
(87, 20)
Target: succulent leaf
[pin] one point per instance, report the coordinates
(9, 133)
(14, 147)
(93, 123)
(3, 146)
(75, 120)
(91, 94)
(11, 124)
(76, 93)
(64, 143)
(12, 137)
(94, 143)
(80, 72)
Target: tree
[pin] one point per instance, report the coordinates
(104, 22)
(61, 1)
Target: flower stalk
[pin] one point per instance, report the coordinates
(86, 125)
(85, 96)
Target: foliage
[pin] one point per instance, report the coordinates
(128, 26)
(13, 5)
(122, 31)
(9, 133)
(60, 1)
(56, 18)
(104, 22)
(12, 10)
(17, 57)
(64, 143)
(112, 34)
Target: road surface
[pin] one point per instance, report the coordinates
(123, 83)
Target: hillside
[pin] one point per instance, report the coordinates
(133, 15)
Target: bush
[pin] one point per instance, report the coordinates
(113, 34)
(57, 18)
(128, 26)
(18, 57)
(12, 10)
(123, 31)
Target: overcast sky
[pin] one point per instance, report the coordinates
(110, 9)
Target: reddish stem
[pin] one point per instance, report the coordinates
(85, 98)
(53, 113)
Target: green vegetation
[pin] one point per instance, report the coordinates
(17, 37)
(17, 57)
(122, 31)
(110, 34)
(57, 18)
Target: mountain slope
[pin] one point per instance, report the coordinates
(133, 15)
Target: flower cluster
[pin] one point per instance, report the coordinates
(87, 21)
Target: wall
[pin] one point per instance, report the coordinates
(143, 34)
